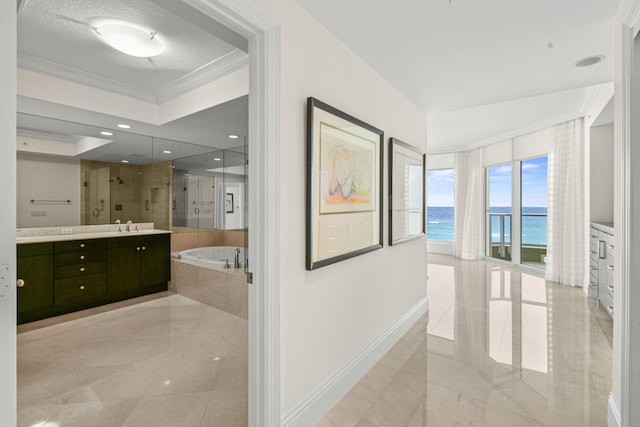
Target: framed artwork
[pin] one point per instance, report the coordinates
(406, 192)
(228, 203)
(344, 186)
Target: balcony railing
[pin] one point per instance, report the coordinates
(534, 237)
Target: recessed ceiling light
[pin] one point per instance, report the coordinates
(232, 136)
(166, 151)
(123, 126)
(125, 161)
(130, 39)
(105, 133)
(590, 60)
(217, 159)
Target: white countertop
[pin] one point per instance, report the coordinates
(89, 235)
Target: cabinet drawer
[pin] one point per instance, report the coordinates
(77, 290)
(80, 257)
(80, 269)
(80, 245)
(34, 249)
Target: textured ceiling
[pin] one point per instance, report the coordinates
(454, 56)
(57, 35)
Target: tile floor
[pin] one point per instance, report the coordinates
(498, 348)
(168, 361)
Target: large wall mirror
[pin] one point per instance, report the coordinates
(181, 174)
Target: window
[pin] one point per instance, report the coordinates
(517, 217)
(440, 202)
(534, 211)
(500, 217)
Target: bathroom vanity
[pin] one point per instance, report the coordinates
(59, 274)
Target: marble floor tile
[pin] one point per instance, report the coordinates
(167, 361)
(499, 347)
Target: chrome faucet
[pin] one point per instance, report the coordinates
(129, 225)
(119, 228)
(236, 262)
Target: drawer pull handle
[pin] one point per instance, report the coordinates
(82, 288)
(82, 245)
(610, 246)
(81, 268)
(610, 288)
(19, 283)
(81, 256)
(610, 267)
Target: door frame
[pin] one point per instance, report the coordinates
(264, 200)
(627, 234)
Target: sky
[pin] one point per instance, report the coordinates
(440, 187)
(534, 185)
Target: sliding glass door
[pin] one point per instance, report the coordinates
(534, 211)
(517, 211)
(499, 215)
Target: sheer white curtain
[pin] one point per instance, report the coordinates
(566, 238)
(469, 204)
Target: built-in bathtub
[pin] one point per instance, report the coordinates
(200, 274)
(214, 255)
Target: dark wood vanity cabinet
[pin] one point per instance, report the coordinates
(35, 269)
(80, 273)
(139, 265)
(72, 275)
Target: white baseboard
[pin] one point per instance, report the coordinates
(311, 409)
(440, 247)
(613, 414)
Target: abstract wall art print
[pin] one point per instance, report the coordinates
(344, 186)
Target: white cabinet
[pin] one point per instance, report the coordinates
(601, 265)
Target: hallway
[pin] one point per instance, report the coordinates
(502, 348)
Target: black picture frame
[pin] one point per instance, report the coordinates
(228, 203)
(344, 197)
(407, 185)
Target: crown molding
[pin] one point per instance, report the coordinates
(220, 67)
(215, 69)
(445, 149)
(73, 74)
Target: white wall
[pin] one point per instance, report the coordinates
(330, 314)
(601, 167)
(8, 214)
(43, 177)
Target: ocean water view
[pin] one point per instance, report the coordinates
(534, 224)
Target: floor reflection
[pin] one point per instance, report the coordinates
(501, 348)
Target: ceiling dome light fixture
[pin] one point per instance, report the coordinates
(590, 60)
(123, 126)
(130, 39)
